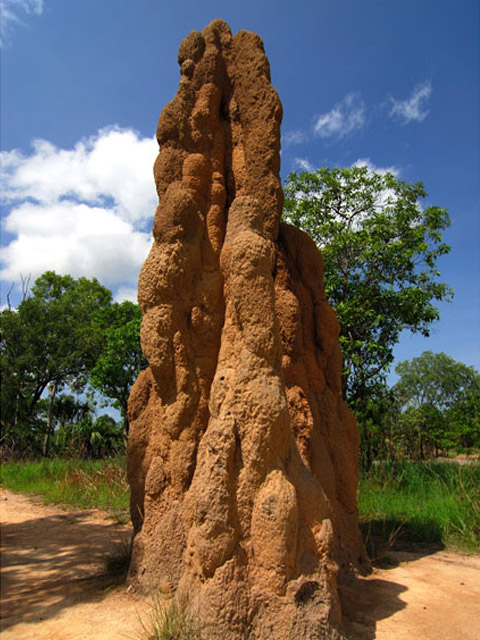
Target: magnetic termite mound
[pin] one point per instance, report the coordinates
(242, 455)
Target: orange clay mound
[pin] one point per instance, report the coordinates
(242, 455)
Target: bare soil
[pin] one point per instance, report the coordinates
(55, 585)
(54, 582)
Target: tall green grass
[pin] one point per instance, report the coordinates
(84, 484)
(422, 503)
(428, 503)
(170, 620)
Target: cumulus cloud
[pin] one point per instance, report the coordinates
(294, 137)
(413, 109)
(75, 239)
(346, 117)
(303, 164)
(373, 168)
(10, 15)
(126, 293)
(83, 211)
(113, 165)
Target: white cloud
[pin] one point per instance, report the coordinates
(346, 117)
(414, 109)
(115, 164)
(303, 164)
(81, 211)
(126, 293)
(10, 12)
(293, 137)
(74, 239)
(373, 168)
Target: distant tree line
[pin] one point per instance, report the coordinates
(66, 347)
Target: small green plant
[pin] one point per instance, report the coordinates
(170, 620)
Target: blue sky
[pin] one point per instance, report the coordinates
(393, 83)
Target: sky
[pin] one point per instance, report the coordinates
(393, 84)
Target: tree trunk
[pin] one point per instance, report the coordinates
(125, 426)
(46, 439)
(420, 446)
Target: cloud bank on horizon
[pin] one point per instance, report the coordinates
(85, 211)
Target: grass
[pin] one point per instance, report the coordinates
(85, 484)
(117, 561)
(170, 620)
(411, 502)
(414, 502)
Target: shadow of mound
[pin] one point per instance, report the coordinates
(365, 601)
(389, 541)
(420, 535)
(55, 561)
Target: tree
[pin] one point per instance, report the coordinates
(463, 419)
(62, 415)
(121, 358)
(437, 397)
(379, 421)
(380, 249)
(49, 342)
(16, 384)
(92, 437)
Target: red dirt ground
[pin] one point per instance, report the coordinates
(54, 584)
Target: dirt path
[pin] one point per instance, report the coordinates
(54, 585)
(424, 597)
(54, 582)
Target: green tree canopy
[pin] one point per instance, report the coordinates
(439, 400)
(120, 359)
(49, 341)
(434, 379)
(380, 248)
